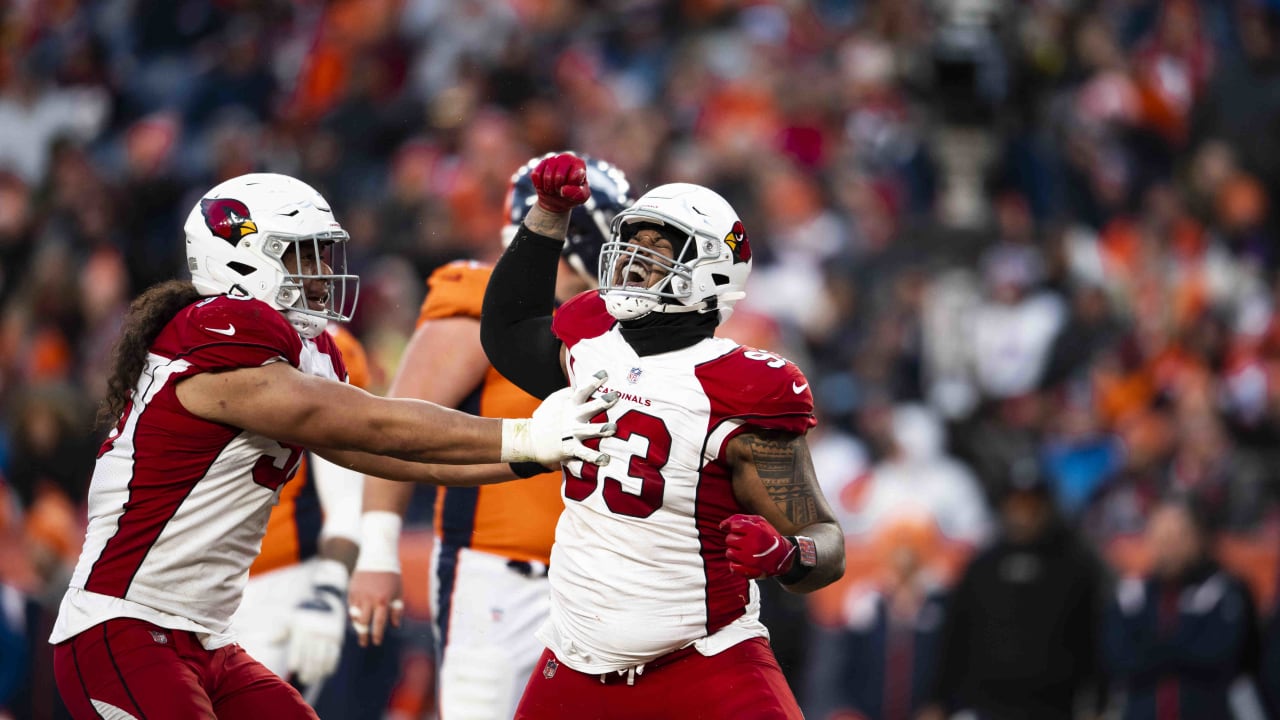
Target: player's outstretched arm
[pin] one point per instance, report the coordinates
(282, 403)
(773, 477)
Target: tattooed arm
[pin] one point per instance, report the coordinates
(773, 477)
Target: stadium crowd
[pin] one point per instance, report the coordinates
(1024, 251)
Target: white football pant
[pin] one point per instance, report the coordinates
(490, 650)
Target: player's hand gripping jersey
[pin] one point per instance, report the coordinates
(175, 518)
(644, 531)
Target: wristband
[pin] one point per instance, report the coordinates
(331, 575)
(517, 441)
(803, 562)
(379, 541)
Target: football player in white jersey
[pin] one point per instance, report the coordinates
(654, 608)
(217, 386)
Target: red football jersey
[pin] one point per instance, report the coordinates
(178, 505)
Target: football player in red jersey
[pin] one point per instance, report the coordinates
(654, 608)
(217, 386)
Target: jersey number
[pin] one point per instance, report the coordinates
(646, 469)
(276, 466)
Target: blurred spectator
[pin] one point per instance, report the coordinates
(1078, 456)
(1269, 673)
(238, 77)
(880, 664)
(1013, 330)
(34, 112)
(1020, 638)
(917, 478)
(147, 206)
(51, 449)
(1172, 64)
(1175, 640)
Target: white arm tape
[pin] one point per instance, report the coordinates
(379, 542)
(517, 441)
(341, 493)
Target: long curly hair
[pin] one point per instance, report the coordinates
(148, 314)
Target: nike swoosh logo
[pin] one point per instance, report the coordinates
(229, 330)
(797, 389)
(770, 549)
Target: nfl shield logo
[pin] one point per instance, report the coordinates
(634, 375)
(549, 671)
(159, 637)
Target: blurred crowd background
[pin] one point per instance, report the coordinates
(1024, 250)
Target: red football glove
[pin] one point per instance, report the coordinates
(561, 182)
(755, 549)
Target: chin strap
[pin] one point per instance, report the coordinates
(308, 326)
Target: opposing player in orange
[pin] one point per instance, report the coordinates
(489, 565)
(293, 615)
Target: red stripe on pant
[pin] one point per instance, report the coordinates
(741, 683)
(154, 673)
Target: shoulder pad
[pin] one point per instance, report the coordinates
(583, 316)
(221, 333)
(454, 290)
(760, 388)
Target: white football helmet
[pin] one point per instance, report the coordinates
(239, 233)
(709, 270)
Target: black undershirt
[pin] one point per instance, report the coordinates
(657, 333)
(515, 319)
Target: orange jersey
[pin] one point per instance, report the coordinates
(513, 519)
(293, 530)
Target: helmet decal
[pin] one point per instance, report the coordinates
(227, 218)
(738, 243)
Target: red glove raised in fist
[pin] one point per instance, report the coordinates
(755, 549)
(561, 182)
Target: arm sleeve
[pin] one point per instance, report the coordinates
(515, 320)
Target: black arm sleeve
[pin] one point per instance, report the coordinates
(515, 320)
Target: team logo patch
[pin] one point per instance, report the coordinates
(227, 218)
(738, 243)
(159, 637)
(633, 375)
(549, 671)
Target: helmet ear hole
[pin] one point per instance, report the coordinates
(242, 268)
(719, 279)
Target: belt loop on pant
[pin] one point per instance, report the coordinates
(636, 670)
(528, 569)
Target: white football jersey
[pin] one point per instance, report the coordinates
(638, 568)
(178, 505)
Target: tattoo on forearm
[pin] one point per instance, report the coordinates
(775, 463)
(547, 224)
